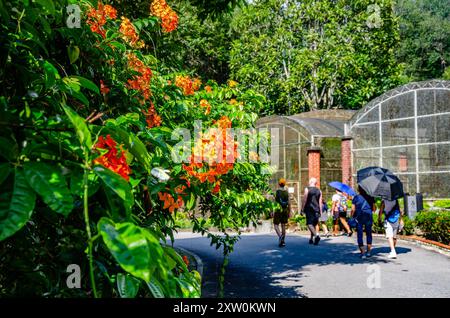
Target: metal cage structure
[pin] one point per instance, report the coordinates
(407, 130)
(295, 136)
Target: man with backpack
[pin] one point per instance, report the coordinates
(281, 215)
(392, 223)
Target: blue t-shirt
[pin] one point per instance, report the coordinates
(363, 211)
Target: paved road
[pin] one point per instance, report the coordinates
(258, 268)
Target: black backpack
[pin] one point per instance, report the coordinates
(283, 198)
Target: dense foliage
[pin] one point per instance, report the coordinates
(435, 225)
(90, 153)
(425, 38)
(307, 55)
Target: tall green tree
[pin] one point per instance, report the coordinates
(425, 37)
(316, 54)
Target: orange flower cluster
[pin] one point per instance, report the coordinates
(97, 17)
(112, 160)
(169, 202)
(103, 88)
(205, 104)
(140, 82)
(128, 32)
(208, 89)
(186, 260)
(196, 84)
(152, 118)
(188, 85)
(169, 19)
(205, 151)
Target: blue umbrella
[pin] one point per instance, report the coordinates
(342, 187)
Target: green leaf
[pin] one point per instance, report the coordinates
(8, 149)
(156, 288)
(116, 183)
(76, 183)
(190, 203)
(50, 74)
(127, 285)
(117, 210)
(4, 171)
(48, 5)
(134, 248)
(50, 184)
(82, 130)
(170, 252)
(118, 45)
(73, 52)
(16, 207)
(80, 96)
(84, 82)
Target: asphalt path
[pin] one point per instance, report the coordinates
(259, 268)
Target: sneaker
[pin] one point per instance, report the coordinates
(350, 234)
(392, 255)
(363, 256)
(311, 241)
(327, 235)
(282, 242)
(368, 254)
(316, 240)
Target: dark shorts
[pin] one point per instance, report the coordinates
(312, 218)
(281, 217)
(337, 215)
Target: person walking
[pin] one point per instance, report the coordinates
(362, 213)
(369, 199)
(339, 210)
(323, 220)
(312, 207)
(392, 221)
(281, 215)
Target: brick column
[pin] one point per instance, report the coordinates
(403, 163)
(314, 155)
(346, 161)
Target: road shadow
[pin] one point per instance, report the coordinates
(259, 267)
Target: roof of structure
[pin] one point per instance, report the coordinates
(327, 123)
(432, 84)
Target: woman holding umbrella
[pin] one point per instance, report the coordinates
(361, 212)
(382, 183)
(339, 209)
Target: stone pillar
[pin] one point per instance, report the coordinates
(314, 155)
(346, 161)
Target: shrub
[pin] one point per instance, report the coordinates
(435, 225)
(300, 219)
(444, 204)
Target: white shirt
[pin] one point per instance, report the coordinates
(336, 197)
